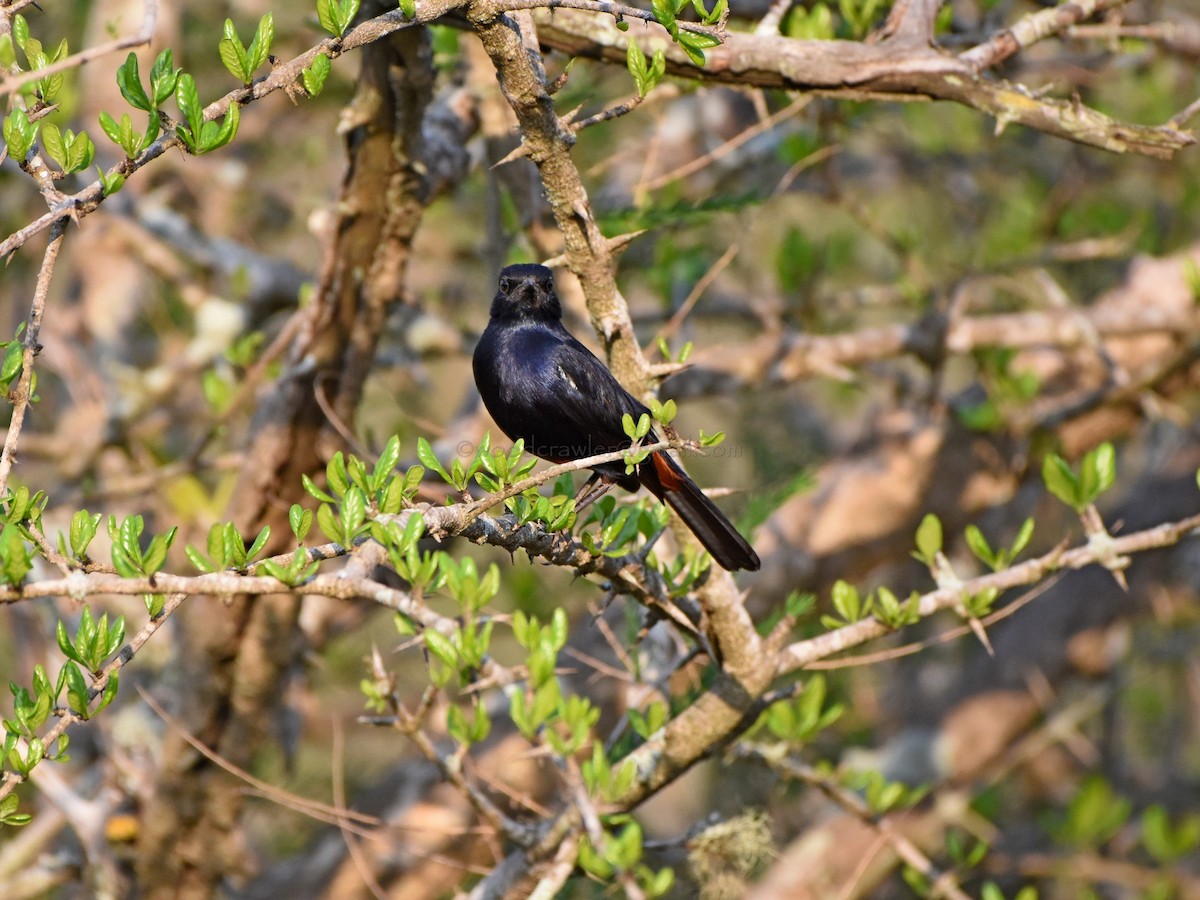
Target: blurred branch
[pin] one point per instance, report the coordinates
(798, 655)
(1031, 28)
(852, 70)
(29, 342)
(941, 883)
(15, 81)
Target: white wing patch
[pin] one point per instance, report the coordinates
(567, 378)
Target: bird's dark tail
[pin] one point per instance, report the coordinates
(663, 477)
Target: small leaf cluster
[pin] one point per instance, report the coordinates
(880, 795)
(647, 73)
(1094, 815)
(459, 475)
(619, 526)
(646, 724)
(298, 570)
(164, 78)
(227, 549)
(813, 23)
(315, 74)
(1005, 388)
(684, 352)
(19, 134)
(1001, 557)
(859, 15)
(816, 23)
(468, 731)
(635, 431)
(622, 852)
(242, 61)
(500, 469)
(131, 561)
(964, 855)
(357, 494)
(14, 358)
(128, 558)
(72, 152)
(8, 811)
(1097, 472)
(1168, 843)
(20, 508)
(685, 571)
(796, 720)
(693, 44)
(45, 90)
(882, 603)
(541, 709)
(198, 135)
(74, 545)
(422, 570)
(605, 779)
(462, 652)
(95, 641)
(335, 16)
(31, 710)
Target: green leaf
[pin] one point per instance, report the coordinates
(315, 75)
(929, 539)
(108, 694)
(1098, 472)
(80, 152)
(19, 134)
(14, 358)
(218, 137)
(315, 492)
(1061, 481)
(440, 646)
(233, 54)
(409, 8)
(64, 641)
(188, 100)
(1022, 539)
(118, 134)
(388, 460)
(110, 184)
(20, 31)
(328, 523)
(259, 542)
(198, 559)
(979, 546)
(53, 142)
(260, 46)
(300, 520)
(426, 455)
(163, 79)
(129, 80)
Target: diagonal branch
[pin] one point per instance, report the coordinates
(30, 347)
(142, 36)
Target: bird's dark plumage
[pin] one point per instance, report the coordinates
(544, 387)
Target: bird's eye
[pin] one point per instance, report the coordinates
(505, 284)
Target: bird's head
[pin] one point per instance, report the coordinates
(526, 291)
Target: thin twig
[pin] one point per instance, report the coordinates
(142, 36)
(29, 341)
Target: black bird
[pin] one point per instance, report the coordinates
(544, 387)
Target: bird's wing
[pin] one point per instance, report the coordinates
(597, 401)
